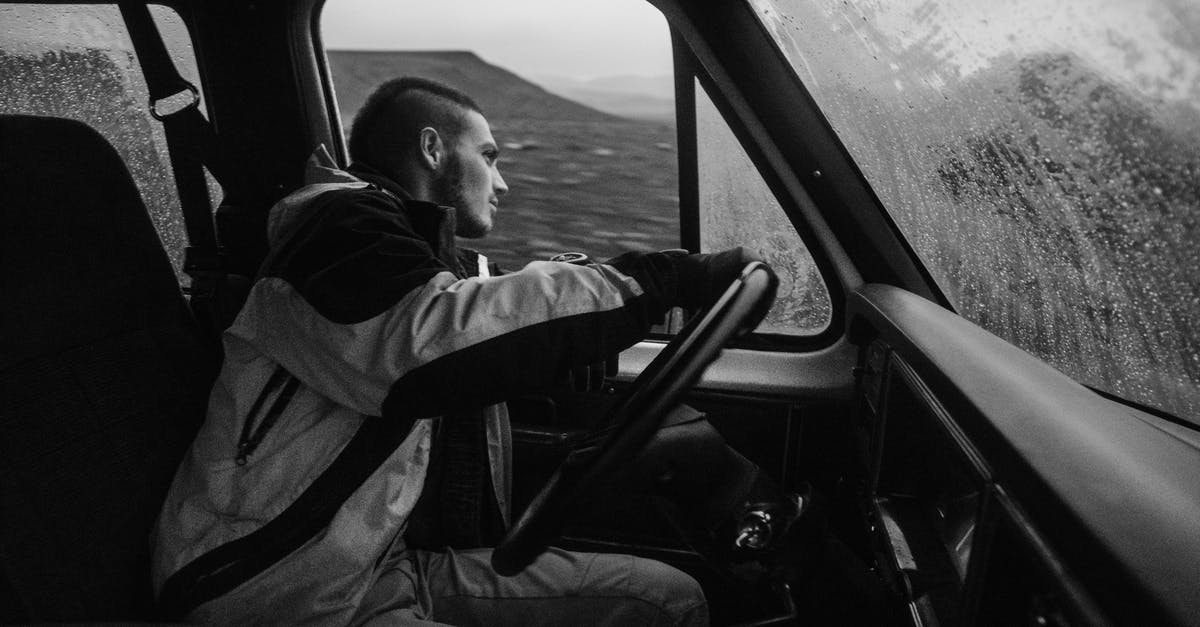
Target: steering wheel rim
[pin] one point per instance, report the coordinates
(631, 423)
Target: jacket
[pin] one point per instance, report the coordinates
(363, 327)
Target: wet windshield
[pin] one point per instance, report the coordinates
(1043, 158)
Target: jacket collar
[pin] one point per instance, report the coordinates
(432, 222)
(380, 180)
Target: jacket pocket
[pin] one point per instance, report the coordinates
(253, 435)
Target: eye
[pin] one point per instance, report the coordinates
(491, 155)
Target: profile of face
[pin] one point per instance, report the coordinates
(470, 180)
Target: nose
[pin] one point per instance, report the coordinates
(499, 185)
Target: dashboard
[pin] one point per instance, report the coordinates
(999, 491)
(947, 538)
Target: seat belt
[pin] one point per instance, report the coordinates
(192, 144)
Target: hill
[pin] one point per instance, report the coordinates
(650, 98)
(500, 93)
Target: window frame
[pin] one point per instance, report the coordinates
(802, 208)
(780, 115)
(690, 72)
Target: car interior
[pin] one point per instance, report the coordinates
(948, 477)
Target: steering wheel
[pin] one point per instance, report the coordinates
(631, 423)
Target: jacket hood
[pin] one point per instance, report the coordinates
(321, 175)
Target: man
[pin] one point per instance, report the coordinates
(361, 396)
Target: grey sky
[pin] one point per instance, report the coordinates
(531, 37)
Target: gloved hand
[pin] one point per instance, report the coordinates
(703, 277)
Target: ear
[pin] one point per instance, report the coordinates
(432, 149)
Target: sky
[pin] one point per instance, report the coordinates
(572, 38)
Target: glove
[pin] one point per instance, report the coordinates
(703, 277)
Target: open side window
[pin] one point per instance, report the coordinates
(602, 161)
(582, 111)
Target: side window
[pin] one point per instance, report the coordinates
(579, 96)
(588, 140)
(737, 208)
(77, 61)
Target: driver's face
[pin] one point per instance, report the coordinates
(471, 181)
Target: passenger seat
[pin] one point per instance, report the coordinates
(104, 377)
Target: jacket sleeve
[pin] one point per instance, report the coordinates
(360, 309)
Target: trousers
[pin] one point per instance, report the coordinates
(417, 587)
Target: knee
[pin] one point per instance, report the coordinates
(677, 594)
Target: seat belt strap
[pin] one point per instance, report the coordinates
(175, 102)
(229, 565)
(192, 145)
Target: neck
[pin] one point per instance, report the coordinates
(415, 179)
(421, 189)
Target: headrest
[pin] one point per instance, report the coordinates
(79, 256)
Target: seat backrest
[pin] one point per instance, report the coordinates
(104, 377)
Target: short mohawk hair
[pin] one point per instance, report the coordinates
(406, 104)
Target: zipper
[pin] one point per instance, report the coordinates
(252, 437)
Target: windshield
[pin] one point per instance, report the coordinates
(1041, 157)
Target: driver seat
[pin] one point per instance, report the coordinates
(104, 377)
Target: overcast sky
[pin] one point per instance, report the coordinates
(574, 38)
